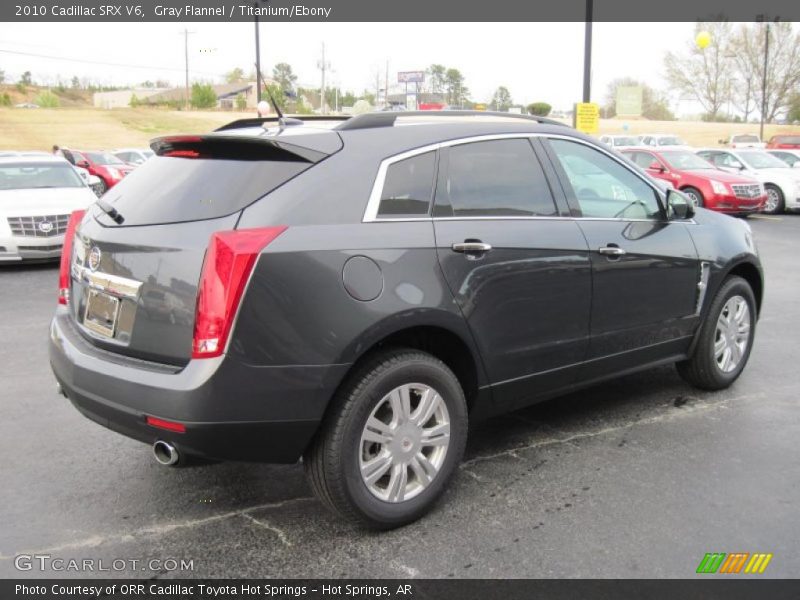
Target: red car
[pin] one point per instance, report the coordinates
(704, 183)
(105, 165)
(784, 141)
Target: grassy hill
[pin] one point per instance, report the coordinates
(40, 128)
(90, 128)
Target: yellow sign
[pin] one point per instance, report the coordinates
(587, 117)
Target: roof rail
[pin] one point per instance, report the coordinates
(388, 119)
(260, 121)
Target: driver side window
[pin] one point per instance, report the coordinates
(603, 187)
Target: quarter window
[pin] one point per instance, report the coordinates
(603, 187)
(494, 178)
(408, 186)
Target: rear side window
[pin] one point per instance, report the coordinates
(173, 189)
(494, 178)
(408, 187)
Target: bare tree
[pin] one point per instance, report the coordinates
(783, 69)
(703, 72)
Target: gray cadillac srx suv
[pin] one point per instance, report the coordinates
(356, 292)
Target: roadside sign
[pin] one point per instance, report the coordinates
(629, 101)
(587, 117)
(410, 76)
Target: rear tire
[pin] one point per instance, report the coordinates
(726, 338)
(696, 196)
(775, 200)
(392, 472)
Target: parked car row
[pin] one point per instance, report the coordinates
(39, 191)
(742, 178)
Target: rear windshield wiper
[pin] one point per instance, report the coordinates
(110, 211)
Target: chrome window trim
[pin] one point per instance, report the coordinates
(371, 212)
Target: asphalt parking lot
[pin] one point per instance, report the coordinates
(636, 478)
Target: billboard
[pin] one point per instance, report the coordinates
(410, 76)
(629, 101)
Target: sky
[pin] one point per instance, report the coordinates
(535, 61)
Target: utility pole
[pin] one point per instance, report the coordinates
(386, 90)
(258, 62)
(764, 19)
(587, 54)
(186, 34)
(323, 66)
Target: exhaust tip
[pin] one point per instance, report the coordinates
(165, 453)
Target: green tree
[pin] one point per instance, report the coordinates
(436, 78)
(5, 99)
(203, 96)
(457, 91)
(48, 99)
(241, 102)
(75, 83)
(539, 109)
(2, 76)
(282, 73)
(134, 101)
(501, 100)
(276, 92)
(234, 75)
(26, 78)
(654, 104)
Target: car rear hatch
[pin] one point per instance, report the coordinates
(138, 254)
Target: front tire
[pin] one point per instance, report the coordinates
(775, 200)
(695, 195)
(391, 441)
(726, 338)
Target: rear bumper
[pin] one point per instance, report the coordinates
(231, 410)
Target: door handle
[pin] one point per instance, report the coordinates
(611, 251)
(471, 247)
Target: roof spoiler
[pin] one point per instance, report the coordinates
(233, 148)
(261, 121)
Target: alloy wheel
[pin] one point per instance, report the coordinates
(404, 442)
(732, 334)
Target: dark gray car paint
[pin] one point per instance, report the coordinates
(298, 331)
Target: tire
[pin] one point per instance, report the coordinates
(102, 187)
(775, 200)
(707, 369)
(334, 461)
(696, 196)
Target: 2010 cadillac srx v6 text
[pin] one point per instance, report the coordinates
(355, 292)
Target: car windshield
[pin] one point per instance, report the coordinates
(746, 138)
(102, 158)
(762, 160)
(670, 140)
(787, 139)
(684, 161)
(625, 141)
(27, 176)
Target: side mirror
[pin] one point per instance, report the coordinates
(83, 163)
(679, 205)
(656, 166)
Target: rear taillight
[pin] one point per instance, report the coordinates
(168, 425)
(66, 256)
(229, 261)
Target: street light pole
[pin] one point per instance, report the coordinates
(258, 63)
(587, 54)
(764, 82)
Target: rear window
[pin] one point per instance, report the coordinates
(786, 139)
(408, 187)
(175, 189)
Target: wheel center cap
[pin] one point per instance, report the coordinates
(406, 443)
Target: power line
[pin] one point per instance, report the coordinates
(103, 63)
